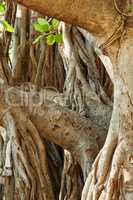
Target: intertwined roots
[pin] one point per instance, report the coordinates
(111, 177)
(23, 156)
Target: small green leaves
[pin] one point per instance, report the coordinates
(4, 24)
(55, 23)
(41, 25)
(50, 39)
(40, 28)
(37, 27)
(7, 26)
(42, 21)
(2, 7)
(58, 38)
(48, 30)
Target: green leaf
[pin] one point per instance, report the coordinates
(50, 39)
(37, 39)
(55, 23)
(7, 26)
(2, 7)
(41, 27)
(58, 38)
(50, 28)
(42, 21)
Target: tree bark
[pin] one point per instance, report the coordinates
(85, 14)
(111, 175)
(112, 172)
(81, 136)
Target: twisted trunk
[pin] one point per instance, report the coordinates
(111, 175)
(23, 128)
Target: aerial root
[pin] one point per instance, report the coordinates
(105, 185)
(24, 157)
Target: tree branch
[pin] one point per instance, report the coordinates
(89, 14)
(81, 136)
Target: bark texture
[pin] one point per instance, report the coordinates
(85, 14)
(32, 167)
(23, 128)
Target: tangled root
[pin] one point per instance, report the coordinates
(24, 157)
(111, 175)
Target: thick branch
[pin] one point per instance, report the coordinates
(95, 16)
(54, 122)
(66, 128)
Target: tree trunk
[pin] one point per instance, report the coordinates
(31, 166)
(111, 175)
(27, 159)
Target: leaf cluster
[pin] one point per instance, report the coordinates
(48, 30)
(4, 23)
